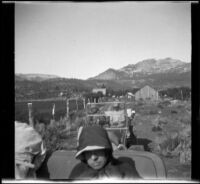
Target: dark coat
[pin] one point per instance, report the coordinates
(115, 168)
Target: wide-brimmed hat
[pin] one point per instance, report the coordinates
(92, 138)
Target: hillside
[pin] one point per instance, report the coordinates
(161, 74)
(35, 77)
(31, 89)
(112, 74)
(145, 68)
(153, 66)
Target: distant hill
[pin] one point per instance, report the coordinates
(161, 74)
(35, 77)
(34, 89)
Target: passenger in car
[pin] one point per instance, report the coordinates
(96, 155)
(30, 151)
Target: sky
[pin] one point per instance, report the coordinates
(82, 40)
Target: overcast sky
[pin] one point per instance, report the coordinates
(81, 40)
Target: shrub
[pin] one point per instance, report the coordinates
(140, 103)
(78, 122)
(174, 112)
(163, 121)
(160, 106)
(175, 144)
(165, 103)
(186, 120)
(180, 106)
(61, 134)
(53, 134)
(153, 112)
(155, 129)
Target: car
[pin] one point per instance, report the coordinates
(113, 117)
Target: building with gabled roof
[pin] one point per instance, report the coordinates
(147, 93)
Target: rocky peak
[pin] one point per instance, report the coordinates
(152, 66)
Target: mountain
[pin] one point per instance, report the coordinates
(35, 77)
(145, 68)
(161, 73)
(111, 74)
(153, 66)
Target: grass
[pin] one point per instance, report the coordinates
(174, 120)
(175, 170)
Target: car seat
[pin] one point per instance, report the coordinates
(148, 165)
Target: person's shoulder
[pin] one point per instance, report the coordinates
(127, 166)
(77, 170)
(125, 162)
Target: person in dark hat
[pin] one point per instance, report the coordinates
(95, 153)
(131, 137)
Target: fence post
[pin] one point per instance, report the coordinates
(76, 104)
(53, 111)
(84, 103)
(67, 108)
(181, 95)
(30, 115)
(68, 121)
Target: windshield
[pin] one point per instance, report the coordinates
(107, 114)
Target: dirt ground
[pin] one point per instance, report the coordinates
(175, 118)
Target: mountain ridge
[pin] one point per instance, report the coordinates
(145, 67)
(35, 76)
(168, 74)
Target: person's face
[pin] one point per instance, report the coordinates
(96, 159)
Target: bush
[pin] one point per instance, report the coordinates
(61, 134)
(163, 121)
(153, 112)
(160, 106)
(165, 103)
(53, 134)
(155, 129)
(180, 106)
(175, 144)
(174, 112)
(140, 103)
(186, 120)
(78, 122)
